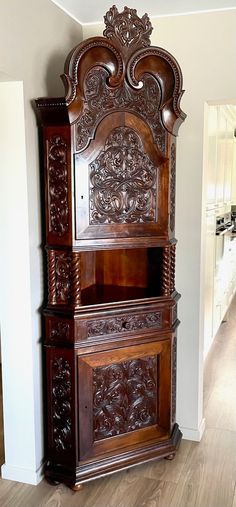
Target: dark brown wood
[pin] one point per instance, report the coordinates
(111, 314)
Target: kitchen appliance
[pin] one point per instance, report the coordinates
(224, 228)
(233, 217)
(224, 224)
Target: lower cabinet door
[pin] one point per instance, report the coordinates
(124, 398)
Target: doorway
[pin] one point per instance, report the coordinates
(219, 191)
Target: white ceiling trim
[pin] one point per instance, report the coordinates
(69, 13)
(174, 14)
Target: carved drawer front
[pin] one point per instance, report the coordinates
(124, 397)
(118, 325)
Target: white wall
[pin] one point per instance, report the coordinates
(15, 300)
(35, 38)
(205, 47)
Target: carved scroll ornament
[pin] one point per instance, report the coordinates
(122, 181)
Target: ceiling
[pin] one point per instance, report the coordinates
(92, 11)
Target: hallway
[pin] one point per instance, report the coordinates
(201, 475)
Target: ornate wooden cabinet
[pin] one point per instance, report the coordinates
(111, 314)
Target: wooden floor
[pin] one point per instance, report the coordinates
(1, 423)
(202, 475)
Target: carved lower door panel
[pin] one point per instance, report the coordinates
(124, 398)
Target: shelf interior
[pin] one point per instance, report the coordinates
(120, 275)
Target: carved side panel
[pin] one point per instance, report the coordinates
(57, 164)
(124, 324)
(172, 186)
(63, 277)
(173, 382)
(124, 397)
(61, 404)
(123, 181)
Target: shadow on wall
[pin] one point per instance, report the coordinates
(55, 67)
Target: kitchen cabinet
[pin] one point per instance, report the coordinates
(219, 170)
(220, 157)
(233, 194)
(211, 157)
(209, 318)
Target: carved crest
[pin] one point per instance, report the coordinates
(127, 28)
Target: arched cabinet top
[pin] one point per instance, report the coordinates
(120, 71)
(119, 64)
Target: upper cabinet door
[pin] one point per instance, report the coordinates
(121, 182)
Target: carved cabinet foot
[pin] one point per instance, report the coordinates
(76, 487)
(170, 456)
(51, 481)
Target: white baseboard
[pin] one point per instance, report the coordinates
(12, 473)
(194, 434)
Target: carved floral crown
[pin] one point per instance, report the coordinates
(127, 28)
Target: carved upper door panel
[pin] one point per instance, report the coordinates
(120, 182)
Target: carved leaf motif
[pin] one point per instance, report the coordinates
(123, 324)
(61, 404)
(57, 182)
(124, 397)
(127, 28)
(122, 181)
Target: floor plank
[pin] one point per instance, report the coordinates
(208, 478)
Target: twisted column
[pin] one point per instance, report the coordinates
(51, 258)
(172, 267)
(166, 278)
(75, 279)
